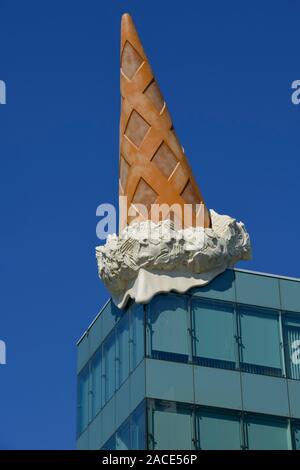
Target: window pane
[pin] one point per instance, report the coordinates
(172, 427)
(138, 432)
(292, 333)
(219, 431)
(122, 349)
(109, 365)
(110, 444)
(136, 335)
(214, 326)
(168, 323)
(83, 400)
(296, 432)
(123, 436)
(267, 435)
(96, 382)
(260, 351)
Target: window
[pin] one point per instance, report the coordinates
(122, 349)
(83, 400)
(218, 431)
(109, 365)
(123, 436)
(168, 323)
(266, 434)
(136, 335)
(214, 334)
(96, 379)
(292, 340)
(260, 341)
(110, 444)
(131, 434)
(138, 431)
(296, 436)
(171, 427)
(179, 426)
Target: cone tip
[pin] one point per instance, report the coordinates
(126, 19)
(126, 15)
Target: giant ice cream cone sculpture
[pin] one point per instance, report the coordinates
(153, 166)
(151, 255)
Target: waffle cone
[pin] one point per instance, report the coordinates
(153, 165)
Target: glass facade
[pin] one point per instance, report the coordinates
(296, 436)
(136, 342)
(109, 367)
(168, 327)
(292, 343)
(122, 350)
(260, 349)
(220, 334)
(219, 366)
(96, 383)
(83, 399)
(132, 432)
(267, 434)
(213, 429)
(182, 426)
(214, 334)
(216, 430)
(170, 426)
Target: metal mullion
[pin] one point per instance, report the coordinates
(238, 337)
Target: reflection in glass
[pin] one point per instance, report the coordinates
(110, 444)
(123, 436)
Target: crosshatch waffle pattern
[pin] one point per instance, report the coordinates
(153, 166)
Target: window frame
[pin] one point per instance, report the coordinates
(216, 413)
(121, 375)
(133, 360)
(168, 355)
(98, 352)
(107, 395)
(259, 369)
(263, 418)
(213, 362)
(85, 370)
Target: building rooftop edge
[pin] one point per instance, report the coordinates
(288, 278)
(278, 276)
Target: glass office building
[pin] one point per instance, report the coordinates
(215, 368)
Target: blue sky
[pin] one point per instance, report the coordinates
(225, 69)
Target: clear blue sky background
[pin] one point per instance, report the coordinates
(225, 69)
